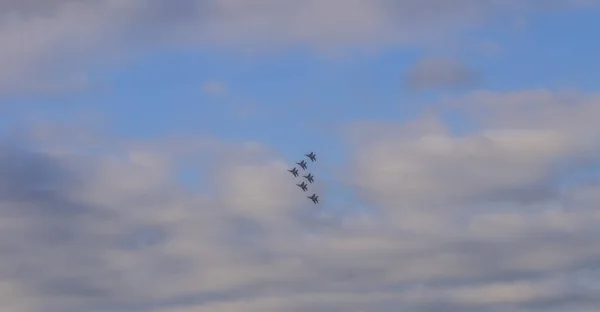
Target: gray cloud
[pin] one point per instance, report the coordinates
(46, 226)
(53, 41)
(440, 73)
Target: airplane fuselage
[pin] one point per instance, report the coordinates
(309, 177)
(312, 156)
(302, 186)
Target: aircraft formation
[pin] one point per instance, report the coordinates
(309, 177)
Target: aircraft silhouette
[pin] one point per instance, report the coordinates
(294, 171)
(302, 164)
(312, 156)
(314, 198)
(302, 186)
(309, 177)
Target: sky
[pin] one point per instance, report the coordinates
(144, 149)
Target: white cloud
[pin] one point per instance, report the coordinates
(527, 138)
(48, 40)
(467, 223)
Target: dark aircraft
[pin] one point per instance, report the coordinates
(302, 164)
(312, 156)
(294, 171)
(314, 198)
(302, 186)
(309, 177)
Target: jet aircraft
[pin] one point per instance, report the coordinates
(302, 186)
(312, 156)
(309, 177)
(314, 198)
(302, 164)
(294, 171)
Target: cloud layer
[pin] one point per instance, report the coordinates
(502, 218)
(47, 42)
(477, 222)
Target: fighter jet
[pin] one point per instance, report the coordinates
(314, 198)
(294, 171)
(312, 156)
(302, 186)
(309, 177)
(302, 164)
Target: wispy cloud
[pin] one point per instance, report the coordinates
(441, 73)
(214, 88)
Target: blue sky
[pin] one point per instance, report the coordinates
(160, 91)
(178, 91)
